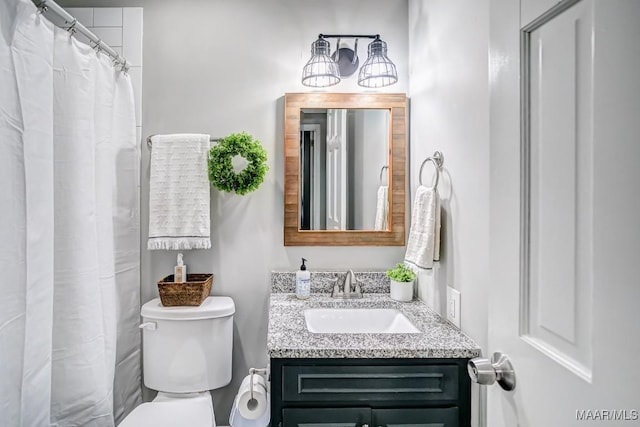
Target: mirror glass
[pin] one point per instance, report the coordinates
(344, 171)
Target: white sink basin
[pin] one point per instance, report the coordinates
(358, 321)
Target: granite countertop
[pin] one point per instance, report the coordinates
(288, 336)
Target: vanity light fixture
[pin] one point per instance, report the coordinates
(320, 70)
(323, 70)
(378, 70)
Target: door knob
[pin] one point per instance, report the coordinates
(486, 372)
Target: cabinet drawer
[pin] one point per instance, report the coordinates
(370, 383)
(358, 417)
(318, 417)
(432, 417)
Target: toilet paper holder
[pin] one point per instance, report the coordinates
(254, 371)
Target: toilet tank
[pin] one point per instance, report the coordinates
(187, 349)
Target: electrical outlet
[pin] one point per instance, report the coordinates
(453, 306)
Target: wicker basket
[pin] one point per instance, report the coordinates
(192, 292)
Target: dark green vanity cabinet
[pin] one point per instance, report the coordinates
(370, 392)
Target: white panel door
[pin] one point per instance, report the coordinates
(336, 169)
(565, 214)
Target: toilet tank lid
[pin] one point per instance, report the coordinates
(210, 308)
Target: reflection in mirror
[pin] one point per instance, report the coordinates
(344, 156)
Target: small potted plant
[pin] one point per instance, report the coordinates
(401, 282)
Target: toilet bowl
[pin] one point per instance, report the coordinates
(172, 411)
(186, 353)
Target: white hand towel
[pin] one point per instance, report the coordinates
(382, 209)
(423, 246)
(179, 193)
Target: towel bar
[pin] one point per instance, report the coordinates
(149, 143)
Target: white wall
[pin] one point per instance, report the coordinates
(449, 112)
(448, 42)
(221, 67)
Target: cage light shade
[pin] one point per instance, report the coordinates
(377, 70)
(320, 70)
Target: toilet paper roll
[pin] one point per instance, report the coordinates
(237, 420)
(249, 408)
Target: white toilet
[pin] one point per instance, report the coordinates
(186, 353)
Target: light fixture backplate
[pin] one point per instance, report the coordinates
(345, 62)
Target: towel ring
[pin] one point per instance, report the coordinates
(437, 159)
(381, 172)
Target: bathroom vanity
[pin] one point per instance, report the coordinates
(348, 378)
(378, 392)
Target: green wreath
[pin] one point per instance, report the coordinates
(221, 173)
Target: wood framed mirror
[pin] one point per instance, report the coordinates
(340, 149)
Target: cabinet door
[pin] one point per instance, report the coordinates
(324, 417)
(432, 417)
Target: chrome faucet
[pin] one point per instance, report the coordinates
(351, 287)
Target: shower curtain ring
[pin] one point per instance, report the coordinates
(125, 67)
(97, 47)
(72, 27)
(41, 5)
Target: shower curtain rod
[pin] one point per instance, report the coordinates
(74, 25)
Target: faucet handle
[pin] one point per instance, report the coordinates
(336, 290)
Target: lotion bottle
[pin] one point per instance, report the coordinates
(303, 282)
(180, 271)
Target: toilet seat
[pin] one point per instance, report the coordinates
(177, 412)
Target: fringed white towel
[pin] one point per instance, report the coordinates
(382, 209)
(423, 246)
(179, 193)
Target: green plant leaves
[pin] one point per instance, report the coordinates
(401, 273)
(221, 173)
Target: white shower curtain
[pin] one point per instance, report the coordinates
(69, 229)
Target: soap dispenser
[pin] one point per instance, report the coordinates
(303, 282)
(180, 271)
